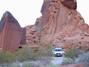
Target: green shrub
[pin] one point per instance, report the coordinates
(83, 58)
(13, 65)
(27, 53)
(30, 64)
(27, 65)
(45, 49)
(73, 53)
(6, 57)
(52, 65)
(67, 61)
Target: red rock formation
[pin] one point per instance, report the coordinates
(62, 25)
(32, 36)
(71, 4)
(23, 39)
(10, 33)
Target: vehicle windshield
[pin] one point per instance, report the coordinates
(58, 49)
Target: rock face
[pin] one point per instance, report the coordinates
(62, 25)
(32, 36)
(71, 4)
(10, 33)
(23, 39)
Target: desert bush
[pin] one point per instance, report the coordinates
(83, 58)
(45, 49)
(73, 53)
(67, 61)
(28, 64)
(53, 65)
(6, 57)
(13, 65)
(26, 53)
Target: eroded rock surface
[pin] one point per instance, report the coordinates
(32, 36)
(71, 4)
(10, 33)
(62, 25)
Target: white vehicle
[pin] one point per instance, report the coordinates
(58, 52)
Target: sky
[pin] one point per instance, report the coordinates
(26, 11)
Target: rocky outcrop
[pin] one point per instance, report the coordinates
(62, 25)
(71, 4)
(32, 36)
(10, 33)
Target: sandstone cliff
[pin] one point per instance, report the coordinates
(62, 24)
(10, 33)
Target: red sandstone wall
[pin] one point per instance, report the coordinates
(1, 41)
(12, 37)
